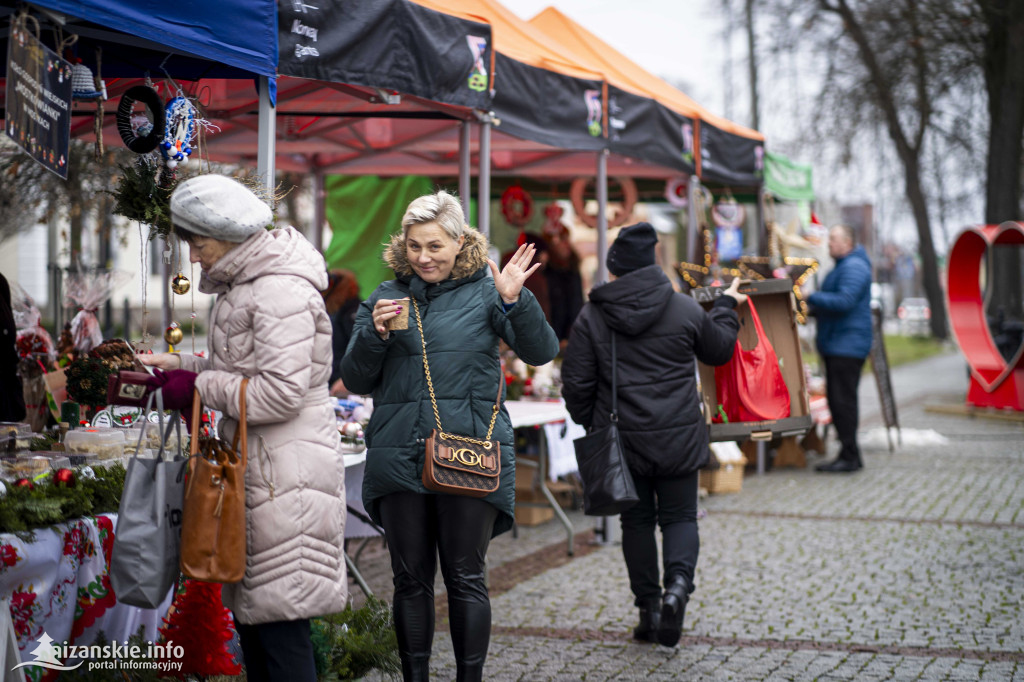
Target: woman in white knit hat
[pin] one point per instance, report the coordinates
(268, 324)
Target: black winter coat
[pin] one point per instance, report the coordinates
(659, 334)
(463, 321)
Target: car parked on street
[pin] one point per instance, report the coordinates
(913, 315)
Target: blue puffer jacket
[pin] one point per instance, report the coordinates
(843, 307)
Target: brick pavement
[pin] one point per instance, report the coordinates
(912, 569)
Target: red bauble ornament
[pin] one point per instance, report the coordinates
(24, 483)
(64, 477)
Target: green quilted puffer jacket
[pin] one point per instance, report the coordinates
(463, 321)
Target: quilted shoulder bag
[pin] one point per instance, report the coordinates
(454, 464)
(213, 522)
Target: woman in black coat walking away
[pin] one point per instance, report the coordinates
(660, 333)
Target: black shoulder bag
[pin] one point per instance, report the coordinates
(607, 484)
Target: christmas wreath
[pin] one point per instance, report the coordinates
(516, 206)
(87, 376)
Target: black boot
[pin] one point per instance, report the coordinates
(415, 667)
(650, 619)
(469, 672)
(672, 611)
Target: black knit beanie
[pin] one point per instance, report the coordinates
(632, 249)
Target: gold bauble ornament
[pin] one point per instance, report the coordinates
(180, 284)
(174, 335)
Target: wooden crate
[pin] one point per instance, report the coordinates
(728, 478)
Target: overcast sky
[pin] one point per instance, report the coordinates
(683, 41)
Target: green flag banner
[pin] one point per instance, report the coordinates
(787, 180)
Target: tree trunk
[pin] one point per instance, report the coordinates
(1004, 80)
(929, 262)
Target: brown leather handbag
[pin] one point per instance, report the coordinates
(213, 519)
(454, 464)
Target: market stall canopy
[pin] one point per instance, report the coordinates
(392, 81)
(226, 38)
(650, 115)
(387, 90)
(787, 180)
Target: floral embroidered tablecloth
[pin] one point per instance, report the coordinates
(59, 585)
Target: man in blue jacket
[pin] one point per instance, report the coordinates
(843, 311)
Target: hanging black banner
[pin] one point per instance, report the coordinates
(38, 116)
(645, 129)
(391, 44)
(730, 159)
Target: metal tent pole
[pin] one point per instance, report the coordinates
(319, 209)
(265, 136)
(694, 222)
(484, 180)
(465, 170)
(602, 216)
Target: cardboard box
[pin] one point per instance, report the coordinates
(533, 516)
(775, 307)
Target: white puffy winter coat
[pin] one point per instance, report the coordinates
(269, 324)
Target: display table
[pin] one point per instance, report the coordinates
(557, 455)
(59, 585)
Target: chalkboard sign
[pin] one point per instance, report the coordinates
(880, 368)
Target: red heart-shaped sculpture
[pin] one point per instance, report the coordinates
(994, 381)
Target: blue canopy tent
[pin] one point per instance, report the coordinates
(185, 40)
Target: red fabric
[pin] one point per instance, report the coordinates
(750, 386)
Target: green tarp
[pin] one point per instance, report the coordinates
(363, 212)
(787, 180)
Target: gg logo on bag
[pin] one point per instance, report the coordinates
(466, 457)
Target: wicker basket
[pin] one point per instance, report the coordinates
(728, 478)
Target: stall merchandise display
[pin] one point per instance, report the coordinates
(353, 414)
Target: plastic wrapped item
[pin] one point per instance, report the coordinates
(103, 443)
(30, 466)
(32, 340)
(88, 291)
(78, 459)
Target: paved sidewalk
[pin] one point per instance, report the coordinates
(912, 569)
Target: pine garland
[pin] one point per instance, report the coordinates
(144, 194)
(46, 504)
(348, 645)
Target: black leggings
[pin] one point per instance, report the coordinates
(418, 528)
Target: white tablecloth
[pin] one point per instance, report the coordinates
(59, 585)
(559, 431)
(355, 465)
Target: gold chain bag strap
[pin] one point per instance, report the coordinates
(454, 464)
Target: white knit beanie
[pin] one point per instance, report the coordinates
(219, 207)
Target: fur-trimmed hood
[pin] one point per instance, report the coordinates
(471, 258)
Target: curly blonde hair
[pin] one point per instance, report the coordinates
(442, 208)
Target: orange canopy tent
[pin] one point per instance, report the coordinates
(723, 151)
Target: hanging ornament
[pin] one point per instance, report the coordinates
(516, 206)
(179, 133)
(3, 489)
(87, 472)
(24, 483)
(141, 137)
(64, 477)
(173, 335)
(180, 284)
